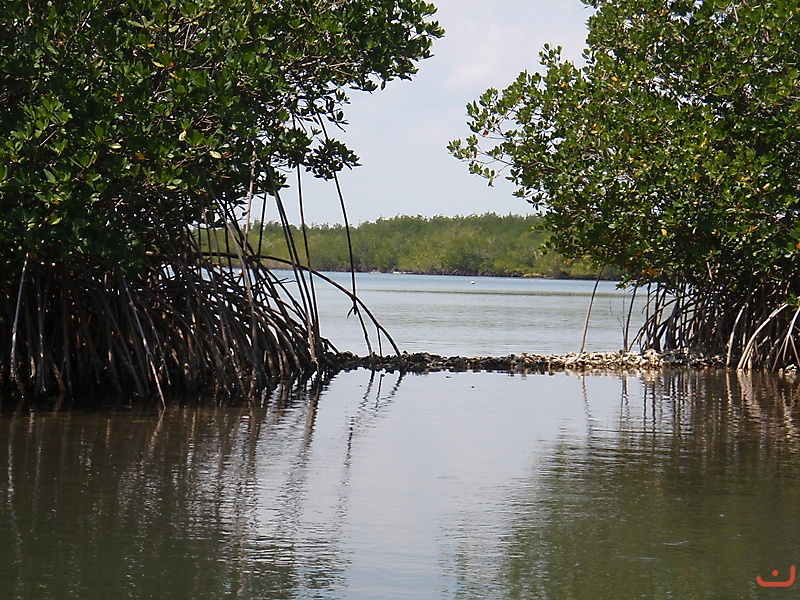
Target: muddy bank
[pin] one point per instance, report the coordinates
(423, 362)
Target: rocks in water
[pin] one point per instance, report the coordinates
(423, 362)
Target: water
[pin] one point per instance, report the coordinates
(679, 484)
(480, 316)
(467, 485)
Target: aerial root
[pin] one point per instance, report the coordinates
(173, 325)
(754, 330)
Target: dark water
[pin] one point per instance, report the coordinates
(470, 485)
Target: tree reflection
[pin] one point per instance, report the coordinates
(671, 484)
(692, 494)
(159, 505)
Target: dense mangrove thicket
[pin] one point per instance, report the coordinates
(128, 126)
(671, 154)
(486, 244)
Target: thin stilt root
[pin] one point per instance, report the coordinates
(757, 329)
(184, 326)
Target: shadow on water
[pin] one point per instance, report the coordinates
(475, 485)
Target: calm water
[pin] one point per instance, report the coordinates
(481, 316)
(468, 485)
(440, 486)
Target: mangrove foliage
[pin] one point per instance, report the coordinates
(126, 127)
(670, 153)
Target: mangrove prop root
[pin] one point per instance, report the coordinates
(754, 329)
(170, 325)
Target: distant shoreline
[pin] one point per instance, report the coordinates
(558, 277)
(471, 274)
(478, 245)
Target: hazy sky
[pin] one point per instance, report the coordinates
(401, 133)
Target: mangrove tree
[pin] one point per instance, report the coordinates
(126, 127)
(671, 153)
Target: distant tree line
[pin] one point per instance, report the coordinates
(486, 244)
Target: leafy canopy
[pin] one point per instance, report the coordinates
(123, 121)
(672, 153)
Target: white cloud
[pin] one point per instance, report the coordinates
(401, 133)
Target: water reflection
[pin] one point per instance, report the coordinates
(155, 505)
(676, 484)
(692, 493)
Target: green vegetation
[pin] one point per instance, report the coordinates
(671, 155)
(125, 126)
(474, 245)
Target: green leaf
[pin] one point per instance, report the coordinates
(127, 111)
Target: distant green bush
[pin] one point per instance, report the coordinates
(486, 244)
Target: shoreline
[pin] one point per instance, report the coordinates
(562, 276)
(424, 362)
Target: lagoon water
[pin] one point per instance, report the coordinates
(677, 484)
(481, 316)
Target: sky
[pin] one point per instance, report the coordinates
(401, 133)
